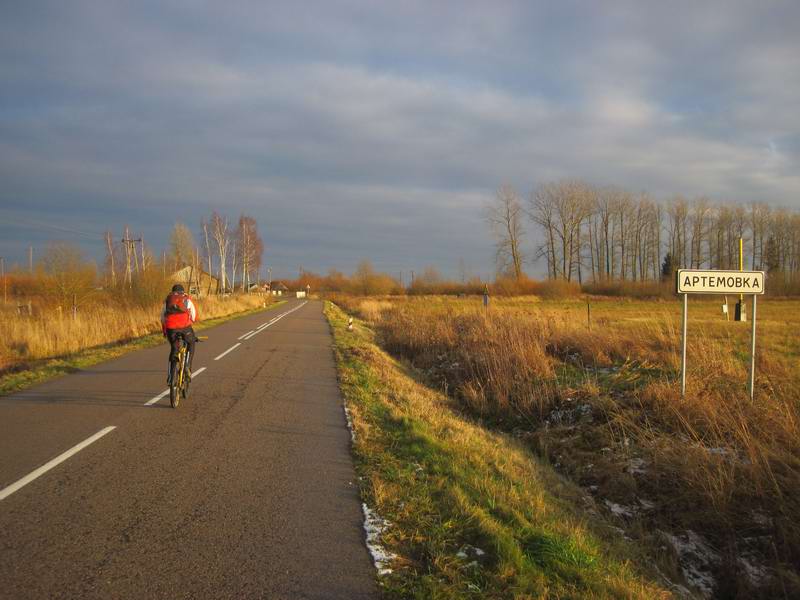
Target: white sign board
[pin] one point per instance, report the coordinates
(695, 281)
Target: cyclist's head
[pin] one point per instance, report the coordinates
(178, 288)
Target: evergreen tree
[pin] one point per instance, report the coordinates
(667, 268)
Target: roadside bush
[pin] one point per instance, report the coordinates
(631, 289)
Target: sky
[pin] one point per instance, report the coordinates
(380, 130)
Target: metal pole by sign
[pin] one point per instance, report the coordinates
(753, 350)
(700, 281)
(683, 353)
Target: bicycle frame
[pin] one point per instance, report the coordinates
(179, 383)
(181, 358)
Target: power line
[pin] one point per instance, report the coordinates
(35, 224)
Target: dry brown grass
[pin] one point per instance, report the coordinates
(447, 485)
(716, 463)
(51, 333)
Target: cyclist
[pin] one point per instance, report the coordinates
(177, 317)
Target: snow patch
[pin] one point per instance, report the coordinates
(637, 466)
(374, 526)
(755, 572)
(349, 423)
(697, 560)
(720, 451)
(570, 416)
(761, 518)
(646, 504)
(618, 510)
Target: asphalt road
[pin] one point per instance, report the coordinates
(247, 490)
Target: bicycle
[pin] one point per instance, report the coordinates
(178, 377)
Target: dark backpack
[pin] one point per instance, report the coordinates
(176, 304)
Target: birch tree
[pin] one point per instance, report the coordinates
(505, 217)
(219, 232)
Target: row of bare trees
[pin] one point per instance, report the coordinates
(238, 248)
(591, 233)
(226, 252)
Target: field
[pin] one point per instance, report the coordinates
(707, 487)
(48, 342)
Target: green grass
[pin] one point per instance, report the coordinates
(447, 486)
(44, 370)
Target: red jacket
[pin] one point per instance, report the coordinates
(179, 312)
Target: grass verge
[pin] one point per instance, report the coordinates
(44, 370)
(471, 513)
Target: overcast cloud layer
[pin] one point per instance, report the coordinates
(363, 129)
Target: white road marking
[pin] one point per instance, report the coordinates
(263, 326)
(6, 492)
(157, 398)
(231, 349)
(166, 391)
(245, 335)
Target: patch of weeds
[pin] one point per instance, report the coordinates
(472, 513)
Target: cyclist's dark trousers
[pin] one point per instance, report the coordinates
(173, 336)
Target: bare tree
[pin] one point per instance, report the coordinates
(759, 221)
(542, 212)
(234, 256)
(251, 248)
(219, 232)
(204, 225)
(561, 209)
(71, 278)
(182, 246)
(504, 215)
(698, 217)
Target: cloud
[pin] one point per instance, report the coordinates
(352, 129)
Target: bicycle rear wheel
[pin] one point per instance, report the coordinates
(185, 386)
(174, 389)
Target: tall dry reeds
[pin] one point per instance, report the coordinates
(52, 332)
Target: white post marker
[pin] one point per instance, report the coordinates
(696, 281)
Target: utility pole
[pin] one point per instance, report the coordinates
(269, 273)
(30, 260)
(110, 246)
(126, 241)
(3, 275)
(130, 249)
(197, 269)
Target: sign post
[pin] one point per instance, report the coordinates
(683, 351)
(696, 281)
(753, 350)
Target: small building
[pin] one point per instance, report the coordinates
(196, 281)
(278, 289)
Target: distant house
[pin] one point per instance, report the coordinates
(196, 281)
(278, 289)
